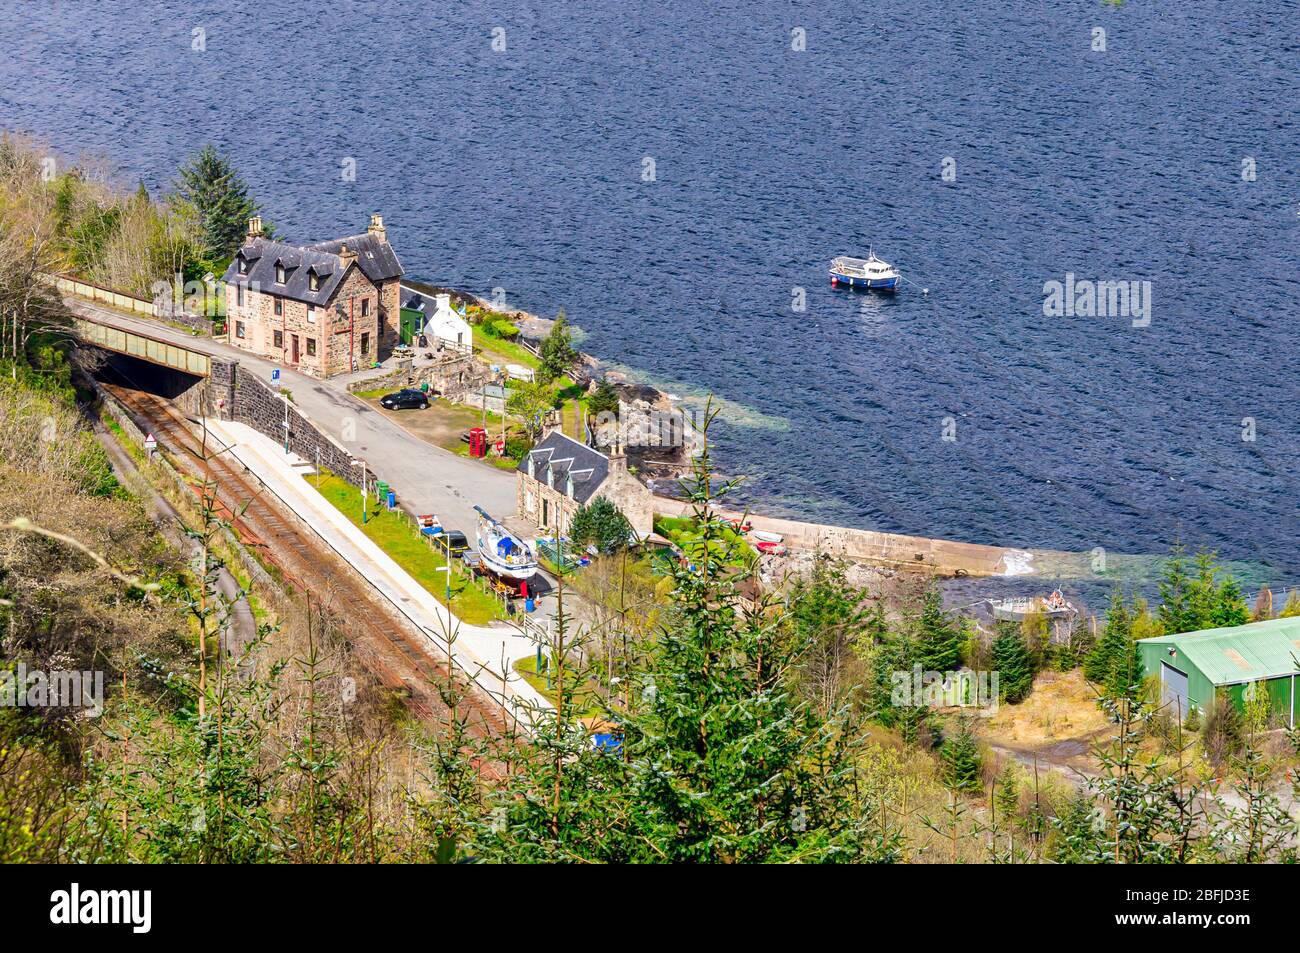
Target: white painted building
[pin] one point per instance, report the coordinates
(440, 322)
(448, 326)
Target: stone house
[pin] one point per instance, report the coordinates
(561, 474)
(322, 309)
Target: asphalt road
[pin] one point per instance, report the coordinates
(427, 479)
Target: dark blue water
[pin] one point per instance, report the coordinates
(523, 169)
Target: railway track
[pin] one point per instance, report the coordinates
(380, 638)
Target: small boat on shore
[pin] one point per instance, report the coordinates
(763, 536)
(870, 273)
(1018, 608)
(501, 551)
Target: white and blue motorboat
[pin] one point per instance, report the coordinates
(870, 273)
(502, 551)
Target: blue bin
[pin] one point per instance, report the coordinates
(529, 604)
(392, 500)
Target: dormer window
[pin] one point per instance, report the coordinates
(568, 487)
(279, 273)
(243, 266)
(532, 467)
(313, 281)
(550, 478)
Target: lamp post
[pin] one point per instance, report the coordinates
(364, 502)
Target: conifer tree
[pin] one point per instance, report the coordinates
(1076, 836)
(1012, 663)
(210, 183)
(558, 353)
(939, 636)
(1176, 611)
(960, 755)
(1230, 605)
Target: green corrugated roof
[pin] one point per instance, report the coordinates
(1242, 653)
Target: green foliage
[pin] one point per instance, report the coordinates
(1115, 662)
(530, 403)
(558, 353)
(601, 524)
(1076, 837)
(962, 764)
(1012, 662)
(939, 635)
(721, 761)
(1195, 600)
(210, 183)
(603, 400)
(829, 618)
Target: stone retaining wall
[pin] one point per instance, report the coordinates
(257, 405)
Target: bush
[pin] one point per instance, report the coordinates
(1223, 731)
(517, 446)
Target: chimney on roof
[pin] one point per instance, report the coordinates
(255, 227)
(377, 227)
(346, 254)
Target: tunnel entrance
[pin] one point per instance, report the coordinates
(189, 392)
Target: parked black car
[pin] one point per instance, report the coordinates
(405, 398)
(455, 540)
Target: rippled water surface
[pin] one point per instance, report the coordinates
(523, 169)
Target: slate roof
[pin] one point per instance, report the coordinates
(377, 259)
(415, 302)
(1242, 653)
(563, 457)
(262, 256)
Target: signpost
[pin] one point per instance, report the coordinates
(150, 444)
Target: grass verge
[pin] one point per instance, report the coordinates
(392, 533)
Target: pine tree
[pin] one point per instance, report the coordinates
(1230, 605)
(938, 639)
(1203, 594)
(1076, 837)
(1176, 613)
(558, 353)
(601, 524)
(210, 183)
(962, 764)
(1111, 652)
(1012, 663)
(1006, 795)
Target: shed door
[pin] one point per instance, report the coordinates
(1174, 683)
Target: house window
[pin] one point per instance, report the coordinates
(365, 343)
(311, 347)
(311, 315)
(243, 266)
(532, 469)
(239, 295)
(279, 307)
(313, 281)
(365, 307)
(278, 338)
(239, 329)
(279, 273)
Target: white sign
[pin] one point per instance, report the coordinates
(150, 443)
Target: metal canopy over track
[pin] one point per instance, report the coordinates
(142, 346)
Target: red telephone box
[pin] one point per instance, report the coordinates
(478, 442)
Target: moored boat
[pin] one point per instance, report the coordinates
(501, 551)
(1017, 608)
(869, 272)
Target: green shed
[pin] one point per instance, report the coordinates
(1193, 666)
